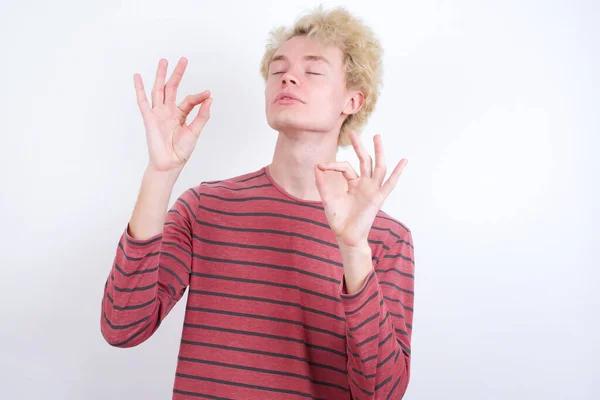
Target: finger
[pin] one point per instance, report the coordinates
(344, 167)
(140, 94)
(174, 80)
(380, 167)
(366, 162)
(158, 91)
(321, 183)
(203, 115)
(191, 101)
(390, 184)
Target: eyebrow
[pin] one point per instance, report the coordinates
(281, 57)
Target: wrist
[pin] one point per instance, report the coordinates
(356, 259)
(359, 250)
(157, 176)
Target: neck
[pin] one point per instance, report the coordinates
(294, 160)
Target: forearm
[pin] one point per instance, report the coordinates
(132, 302)
(378, 338)
(357, 262)
(148, 217)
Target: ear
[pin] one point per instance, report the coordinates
(353, 103)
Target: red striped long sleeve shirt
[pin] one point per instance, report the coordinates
(267, 315)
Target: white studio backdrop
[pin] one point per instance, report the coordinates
(494, 104)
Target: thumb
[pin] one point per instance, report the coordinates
(201, 119)
(321, 183)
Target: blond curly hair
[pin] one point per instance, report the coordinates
(362, 56)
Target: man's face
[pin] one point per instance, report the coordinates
(313, 74)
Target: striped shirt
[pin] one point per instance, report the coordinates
(267, 314)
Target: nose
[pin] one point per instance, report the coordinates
(287, 78)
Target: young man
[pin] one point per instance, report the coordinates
(299, 285)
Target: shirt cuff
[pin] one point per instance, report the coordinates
(352, 301)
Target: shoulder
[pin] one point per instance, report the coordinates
(390, 229)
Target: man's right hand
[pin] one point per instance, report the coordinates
(170, 141)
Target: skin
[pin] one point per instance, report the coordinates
(304, 160)
(307, 131)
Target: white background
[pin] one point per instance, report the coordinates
(495, 105)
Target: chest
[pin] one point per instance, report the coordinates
(284, 260)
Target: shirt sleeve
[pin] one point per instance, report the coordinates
(379, 324)
(148, 277)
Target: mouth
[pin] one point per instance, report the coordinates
(287, 98)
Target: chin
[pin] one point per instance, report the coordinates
(284, 121)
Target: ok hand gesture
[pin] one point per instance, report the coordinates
(170, 141)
